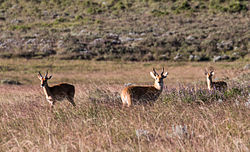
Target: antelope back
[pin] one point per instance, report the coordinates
(63, 90)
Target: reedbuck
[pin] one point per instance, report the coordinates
(145, 93)
(219, 85)
(57, 92)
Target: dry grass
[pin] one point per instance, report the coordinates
(103, 72)
(28, 125)
(98, 123)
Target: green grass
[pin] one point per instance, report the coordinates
(147, 23)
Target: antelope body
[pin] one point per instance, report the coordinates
(57, 92)
(145, 93)
(219, 85)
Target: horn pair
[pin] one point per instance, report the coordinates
(46, 74)
(155, 73)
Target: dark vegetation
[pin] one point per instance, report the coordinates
(134, 30)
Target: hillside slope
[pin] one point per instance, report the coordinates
(134, 30)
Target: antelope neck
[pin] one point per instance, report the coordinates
(46, 90)
(209, 83)
(158, 86)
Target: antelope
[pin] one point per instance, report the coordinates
(144, 93)
(57, 92)
(219, 85)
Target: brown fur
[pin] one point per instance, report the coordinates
(143, 94)
(219, 85)
(57, 92)
(62, 91)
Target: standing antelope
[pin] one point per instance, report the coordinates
(57, 92)
(144, 93)
(219, 85)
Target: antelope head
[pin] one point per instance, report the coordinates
(209, 74)
(44, 79)
(158, 78)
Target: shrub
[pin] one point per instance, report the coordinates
(184, 5)
(195, 95)
(23, 28)
(158, 13)
(237, 6)
(61, 20)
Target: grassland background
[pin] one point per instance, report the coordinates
(99, 46)
(129, 30)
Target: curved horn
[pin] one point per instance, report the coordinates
(40, 74)
(46, 75)
(155, 73)
(162, 71)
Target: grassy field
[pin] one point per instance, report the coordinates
(101, 45)
(186, 117)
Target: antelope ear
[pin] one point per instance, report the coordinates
(212, 73)
(50, 77)
(165, 74)
(152, 75)
(39, 76)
